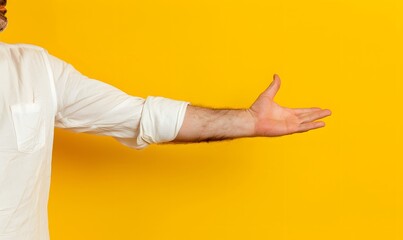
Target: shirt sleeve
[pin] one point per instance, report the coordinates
(91, 106)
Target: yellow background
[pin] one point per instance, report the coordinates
(341, 182)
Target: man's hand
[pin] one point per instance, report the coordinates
(273, 120)
(264, 118)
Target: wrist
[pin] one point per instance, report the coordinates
(250, 121)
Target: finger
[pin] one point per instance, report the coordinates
(305, 110)
(310, 117)
(310, 126)
(272, 90)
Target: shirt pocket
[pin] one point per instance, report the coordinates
(29, 127)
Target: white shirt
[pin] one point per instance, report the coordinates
(39, 92)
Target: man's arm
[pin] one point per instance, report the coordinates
(264, 118)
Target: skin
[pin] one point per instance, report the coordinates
(265, 118)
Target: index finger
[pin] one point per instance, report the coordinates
(305, 110)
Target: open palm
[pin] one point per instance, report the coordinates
(273, 120)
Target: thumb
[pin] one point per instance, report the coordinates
(272, 90)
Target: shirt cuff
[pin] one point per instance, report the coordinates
(161, 120)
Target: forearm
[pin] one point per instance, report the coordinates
(205, 124)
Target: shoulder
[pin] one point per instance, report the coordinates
(29, 52)
(23, 47)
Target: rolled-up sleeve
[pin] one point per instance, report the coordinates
(91, 106)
